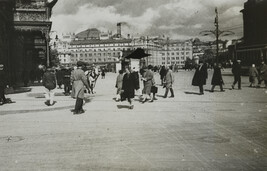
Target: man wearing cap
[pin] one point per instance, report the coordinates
(78, 80)
(236, 70)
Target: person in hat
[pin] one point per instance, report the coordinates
(217, 78)
(236, 70)
(128, 87)
(169, 80)
(50, 83)
(200, 77)
(263, 74)
(253, 74)
(78, 80)
(148, 82)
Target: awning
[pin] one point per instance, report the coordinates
(137, 54)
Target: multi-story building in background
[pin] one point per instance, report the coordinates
(63, 48)
(175, 52)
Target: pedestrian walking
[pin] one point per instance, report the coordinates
(253, 74)
(148, 78)
(92, 79)
(66, 81)
(118, 85)
(200, 77)
(2, 85)
(263, 74)
(128, 87)
(78, 80)
(136, 79)
(217, 77)
(103, 74)
(169, 80)
(60, 77)
(236, 70)
(162, 74)
(50, 83)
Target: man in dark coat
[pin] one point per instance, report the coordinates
(66, 81)
(50, 83)
(2, 85)
(60, 77)
(128, 87)
(217, 77)
(169, 80)
(263, 74)
(236, 70)
(200, 77)
(162, 74)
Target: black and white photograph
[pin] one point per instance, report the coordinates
(133, 85)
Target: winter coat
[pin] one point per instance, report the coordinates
(162, 73)
(263, 72)
(217, 77)
(49, 80)
(253, 72)
(236, 70)
(3, 79)
(78, 80)
(169, 79)
(148, 75)
(60, 76)
(128, 86)
(136, 79)
(200, 76)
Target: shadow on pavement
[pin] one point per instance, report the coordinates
(122, 106)
(194, 93)
(17, 90)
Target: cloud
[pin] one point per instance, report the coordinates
(175, 18)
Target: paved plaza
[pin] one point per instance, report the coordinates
(217, 131)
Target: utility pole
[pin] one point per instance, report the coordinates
(217, 32)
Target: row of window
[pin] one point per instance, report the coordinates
(96, 54)
(177, 53)
(101, 45)
(173, 58)
(177, 62)
(94, 60)
(105, 49)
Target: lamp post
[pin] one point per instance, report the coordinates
(217, 32)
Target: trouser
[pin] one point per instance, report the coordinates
(237, 79)
(79, 104)
(201, 90)
(67, 88)
(167, 91)
(49, 95)
(213, 86)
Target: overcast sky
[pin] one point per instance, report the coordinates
(179, 19)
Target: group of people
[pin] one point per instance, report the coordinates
(128, 84)
(77, 80)
(201, 75)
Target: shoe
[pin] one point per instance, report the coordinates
(171, 97)
(239, 88)
(201, 93)
(211, 91)
(164, 97)
(155, 98)
(150, 101)
(78, 112)
(47, 103)
(131, 107)
(222, 90)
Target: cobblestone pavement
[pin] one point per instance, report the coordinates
(216, 131)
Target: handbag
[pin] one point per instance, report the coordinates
(154, 89)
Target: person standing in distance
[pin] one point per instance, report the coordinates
(50, 83)
(236, 70)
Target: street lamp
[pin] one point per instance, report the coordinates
(217, 32)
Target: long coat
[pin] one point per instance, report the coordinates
(136, 79)
(200, 76)
(128, 86)
(119, 81)
(263, 72)
(253, 72)
(49, 80)
(169, 79)
(236, 70)
(217, 77)
(148, 75)
(78, 80)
